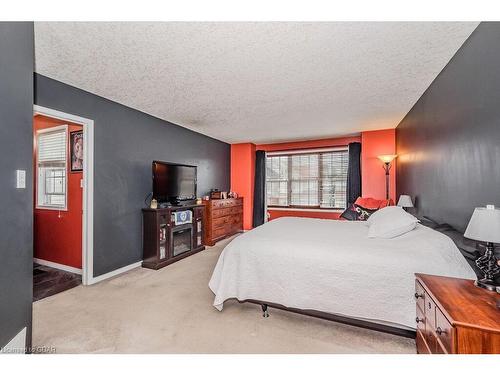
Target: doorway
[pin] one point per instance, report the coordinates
(63, 201)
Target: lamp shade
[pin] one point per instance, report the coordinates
(387, 158)
(405, 201)
(484, 225)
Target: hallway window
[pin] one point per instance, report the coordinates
(51, 167)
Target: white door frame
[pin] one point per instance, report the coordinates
(88, 187)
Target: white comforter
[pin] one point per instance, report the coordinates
(333, 266)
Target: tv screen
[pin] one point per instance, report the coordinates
(173, 182)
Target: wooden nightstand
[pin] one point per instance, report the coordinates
(456, 317)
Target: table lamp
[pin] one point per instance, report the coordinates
(484, 225)
(405, 202)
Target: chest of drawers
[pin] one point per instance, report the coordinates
(223, 218)
(455, 317)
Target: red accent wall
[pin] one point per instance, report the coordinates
(242, 177)
(374, 143)
(58, 234)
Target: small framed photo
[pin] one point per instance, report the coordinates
(76, 150)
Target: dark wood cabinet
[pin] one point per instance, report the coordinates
(455, 317)
(164, 242)
(223, 218)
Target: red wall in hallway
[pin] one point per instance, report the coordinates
(374, 143)
(58, 234)
(242, 177)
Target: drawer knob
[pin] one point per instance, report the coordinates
(439, 331)
(418, 320)
(417, 296)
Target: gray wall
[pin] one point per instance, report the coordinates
(126, 142)
(16, 149)
(449, 143)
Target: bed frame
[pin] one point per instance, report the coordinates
(409, 332)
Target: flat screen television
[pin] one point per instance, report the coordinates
(173, 183)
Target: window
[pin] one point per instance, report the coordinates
(307, 179)
(51, 168)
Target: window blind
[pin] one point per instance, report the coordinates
(52, 146)
(312, 180)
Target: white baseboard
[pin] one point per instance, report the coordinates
(17, 345)
(59, 266)
(115, 272)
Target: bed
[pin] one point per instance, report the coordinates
(330, 268)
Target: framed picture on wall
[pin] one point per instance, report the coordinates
(76, 150)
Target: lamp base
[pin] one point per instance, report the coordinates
(486, 284)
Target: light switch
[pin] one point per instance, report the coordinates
(20, 179)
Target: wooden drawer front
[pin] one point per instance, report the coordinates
(430, 322)
(430, 312)
(420, 320)
(219, 212)
(444, 331)
(220, 203)
(219, 232)
(221, 221)
(236, 210)
(421, 344)
(420, 296)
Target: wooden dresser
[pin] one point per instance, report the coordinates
(223, 218)
(456, 317)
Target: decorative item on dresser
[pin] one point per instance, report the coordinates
(484, 225)
(223, 218)
(455, 317)
(171, 234)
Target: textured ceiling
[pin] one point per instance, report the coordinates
(258, 82)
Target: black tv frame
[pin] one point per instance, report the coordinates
(170, 200)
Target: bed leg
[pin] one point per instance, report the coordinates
(265, 313)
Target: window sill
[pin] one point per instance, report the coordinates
(305, 209)
(49, 208)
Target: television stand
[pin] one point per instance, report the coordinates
(164, 242)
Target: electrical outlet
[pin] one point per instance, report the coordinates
(20, 179)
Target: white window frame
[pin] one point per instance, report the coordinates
(298, 152)
(53, 208)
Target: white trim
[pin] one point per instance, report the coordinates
(59, 266)
(306, 151)
(304, 209)
(17, 345)
(116, 272)
(88, 187)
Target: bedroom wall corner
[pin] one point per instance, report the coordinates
(374, 143)
(242, 177)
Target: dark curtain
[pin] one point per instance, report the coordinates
(259, 194)
(353, 190)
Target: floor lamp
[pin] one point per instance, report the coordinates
(387, 160)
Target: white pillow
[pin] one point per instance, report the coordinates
(390, 222)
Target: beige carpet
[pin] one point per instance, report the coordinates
(170, 311)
